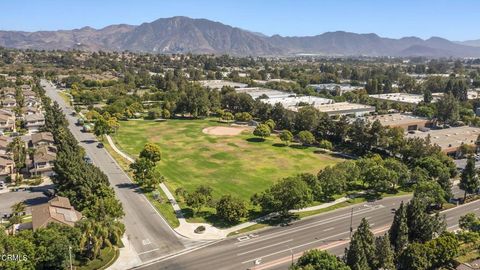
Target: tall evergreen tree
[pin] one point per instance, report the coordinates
(384, 253)
(398, 232)
(422, 226)
(469, 181)
(361, 253)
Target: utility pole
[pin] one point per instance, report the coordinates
(70, 255)
(351, 223)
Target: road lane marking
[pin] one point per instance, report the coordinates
(328, 229)
(272, 245)
(306, 226)
(295, 247)
(243, 238)
(449, 218)
(298, 255)
(146, 242)
(148, 251)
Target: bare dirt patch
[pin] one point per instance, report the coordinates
(225, 131)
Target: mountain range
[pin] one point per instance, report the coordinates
(187, 35)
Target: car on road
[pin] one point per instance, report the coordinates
(88, 159)
(100, 145)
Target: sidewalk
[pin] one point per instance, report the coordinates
(211, 232)
(127, 259)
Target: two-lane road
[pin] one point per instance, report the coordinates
(148, 233)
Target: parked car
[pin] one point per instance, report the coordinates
(88, 159)
(100, 145)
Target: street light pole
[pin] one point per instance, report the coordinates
(351, 223)
(70, 255)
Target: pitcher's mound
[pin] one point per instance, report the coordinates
(224, 131)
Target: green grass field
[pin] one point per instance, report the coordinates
(234, 165)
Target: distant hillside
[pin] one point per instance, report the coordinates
(473, 43)
(183, 35)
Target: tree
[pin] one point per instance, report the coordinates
(198, 198)
(262, 131)
(422, 227)
(332, 181)
(19, 151)
(469, 181)
(469, 222)
(361, 253)
(243, 116)
(384, 257)
(101, 127)
(227, 116)
(325, 144)
(287, 194)
(444, 249)
(416, 256)
(306, 118)
(306, 137)
(317, 259)
(18, 208)
(398, 232)
(286, 137)
(231, 209)
(271, 124)
(144, 173)
(427, 96)
(431, 192)
(448, 109)
(151, 152)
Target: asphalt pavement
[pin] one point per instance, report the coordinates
(277, 247)
(147, 231)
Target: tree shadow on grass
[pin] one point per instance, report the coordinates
(279, 145)
(255, 140)
(298, 146)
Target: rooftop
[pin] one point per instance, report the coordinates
(396, 119)
(401, 97)
(449, 139)
(56, 210)
(218, 84)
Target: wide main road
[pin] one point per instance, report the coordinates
(275, 248)
(148, 233)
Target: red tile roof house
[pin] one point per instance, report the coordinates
(57, 210)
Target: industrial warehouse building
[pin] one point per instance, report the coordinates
(405, 121)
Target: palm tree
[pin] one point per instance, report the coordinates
(18, 208)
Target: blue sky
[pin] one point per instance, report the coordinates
(452, 19)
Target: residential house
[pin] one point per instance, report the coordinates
(3, 145)
(31, 102)
(7, 122)
(57, 210)
(9, 102)
(7, 167)
(8, 92)
(41, 139)
(30, 110)
(43, 161)
(33, 122)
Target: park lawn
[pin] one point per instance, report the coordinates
(238, 165)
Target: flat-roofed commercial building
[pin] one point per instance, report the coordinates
(256, 92)
(405, 121)
(218, 84)
(401, 98)
(292, 103)
(345, 108)
(450, 139)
